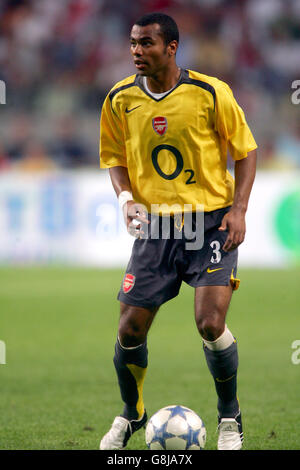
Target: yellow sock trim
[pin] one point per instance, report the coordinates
(139, 375)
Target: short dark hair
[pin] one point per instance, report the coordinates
(168, 26)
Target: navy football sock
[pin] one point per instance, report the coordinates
(131, 366)
(223, 366)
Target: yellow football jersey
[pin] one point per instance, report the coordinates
(175, 148)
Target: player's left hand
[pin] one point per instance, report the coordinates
(234, 222)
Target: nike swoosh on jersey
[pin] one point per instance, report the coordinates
(213, 270)
(132, 109)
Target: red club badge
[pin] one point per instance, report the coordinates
(160, 125)
(128, 283)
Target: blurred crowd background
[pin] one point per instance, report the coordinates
(59, 58)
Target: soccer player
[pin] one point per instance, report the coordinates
(164, 135)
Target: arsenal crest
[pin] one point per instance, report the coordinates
(160, 125)
(128, 283)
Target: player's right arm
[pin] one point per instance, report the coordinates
(131, 209)
(113, 157)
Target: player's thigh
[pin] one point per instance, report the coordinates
(134, 324)
(211, 306)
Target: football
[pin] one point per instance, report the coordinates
(175, 427)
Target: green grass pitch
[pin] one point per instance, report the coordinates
(58, 386)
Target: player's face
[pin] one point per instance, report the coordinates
(150, 53)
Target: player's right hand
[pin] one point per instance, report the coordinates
(135, 216)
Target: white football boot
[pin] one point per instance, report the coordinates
(121, 430)
(230, 433)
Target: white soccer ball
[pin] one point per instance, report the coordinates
(175, 427)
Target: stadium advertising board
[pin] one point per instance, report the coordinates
(74, 218)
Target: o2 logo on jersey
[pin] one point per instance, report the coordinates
(160, 125)
(179, 164)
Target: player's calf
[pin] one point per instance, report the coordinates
(222, 360)
(131, 367)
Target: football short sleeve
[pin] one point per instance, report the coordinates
(231, 124)
(112, 148)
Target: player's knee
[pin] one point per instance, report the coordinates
(131, 332)
(134, 324)
(210, 326)
(130, 336)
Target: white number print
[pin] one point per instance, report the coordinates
(296, 354)
(2, 352)
(215, 245)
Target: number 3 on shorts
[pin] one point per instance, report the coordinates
(215, 245)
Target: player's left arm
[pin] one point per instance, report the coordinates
(234, 221)
(232, 127)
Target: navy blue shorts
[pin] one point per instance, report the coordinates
(157, 267)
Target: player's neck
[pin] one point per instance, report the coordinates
(164, 80)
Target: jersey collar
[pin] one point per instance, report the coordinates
(139, 82)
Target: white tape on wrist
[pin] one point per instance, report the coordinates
(124, 197)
